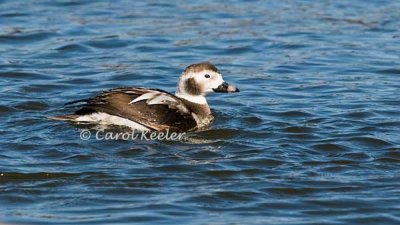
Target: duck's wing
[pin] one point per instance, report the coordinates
(152, 108)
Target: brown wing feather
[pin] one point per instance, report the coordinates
(157, 117)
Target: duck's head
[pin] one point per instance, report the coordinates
(199, 79)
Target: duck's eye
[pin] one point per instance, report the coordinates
(207, 76)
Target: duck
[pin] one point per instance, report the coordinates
(147, 109)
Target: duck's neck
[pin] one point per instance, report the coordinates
(197, 103)
(198, 99)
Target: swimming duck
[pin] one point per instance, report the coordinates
(154, 109)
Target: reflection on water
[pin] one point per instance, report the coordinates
(312, 138)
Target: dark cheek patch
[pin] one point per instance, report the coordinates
(191, 87)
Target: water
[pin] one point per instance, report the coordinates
(312, 138)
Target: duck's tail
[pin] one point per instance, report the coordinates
(64, 117)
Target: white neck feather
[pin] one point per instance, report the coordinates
(198, 99)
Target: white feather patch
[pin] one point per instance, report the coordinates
(107, 119)
(144, 97)
(198, 99)
(161, 99)
(182, 108)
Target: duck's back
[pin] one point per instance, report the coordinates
(151, 108)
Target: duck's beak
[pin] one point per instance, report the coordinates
(225, 87)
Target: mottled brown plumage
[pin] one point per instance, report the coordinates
(198, 67)
(191, 87)
(156, 117)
